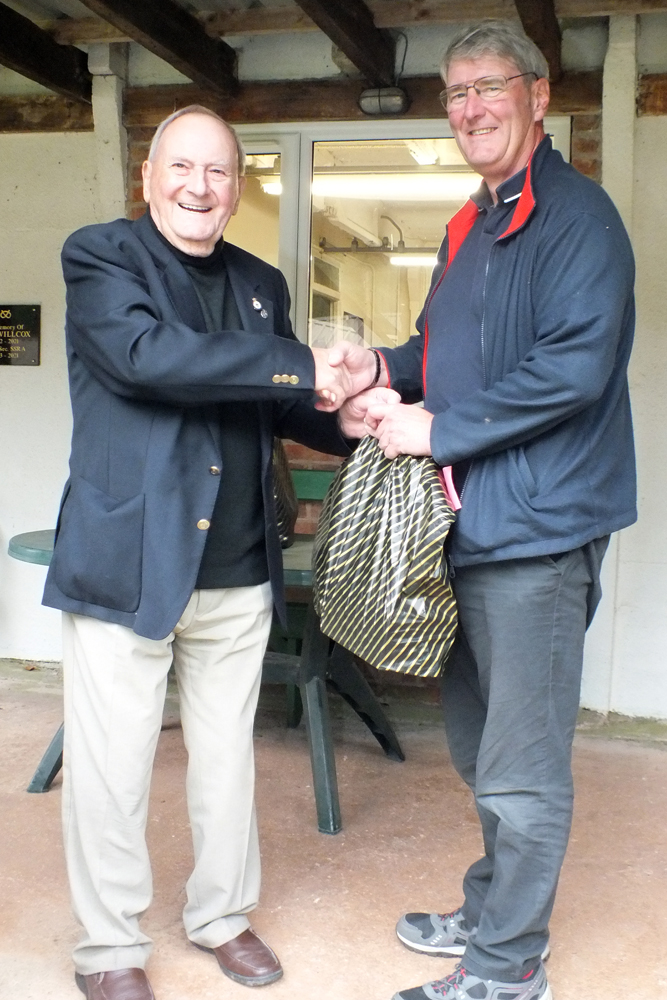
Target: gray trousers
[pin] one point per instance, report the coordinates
(510, 695)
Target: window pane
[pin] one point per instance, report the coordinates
(379, 211)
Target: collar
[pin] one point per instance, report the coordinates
(507, 192)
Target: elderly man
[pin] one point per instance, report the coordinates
(521, 362)
(183, 366)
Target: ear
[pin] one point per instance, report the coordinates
(146, 171)
(241, 184)
(540, 94)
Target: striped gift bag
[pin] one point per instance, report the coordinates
(381, 584)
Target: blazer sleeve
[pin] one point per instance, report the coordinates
(139, 349)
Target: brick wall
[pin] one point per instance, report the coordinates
(138, 143)
(587, 145)
(301, 457)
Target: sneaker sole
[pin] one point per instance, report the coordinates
(453, 951)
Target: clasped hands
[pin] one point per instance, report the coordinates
(343, 375)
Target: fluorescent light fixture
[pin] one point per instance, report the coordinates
(397, 187)
(413, 260)
(272, 187)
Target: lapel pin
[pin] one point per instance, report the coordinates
(256, 304)
(263, 314)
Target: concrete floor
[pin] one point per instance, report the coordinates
(329, 904)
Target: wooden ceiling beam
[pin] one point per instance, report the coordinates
(330, 100)
(173, 34)
(540, 23)
(349, 24)
(28, 50)
(44, 113)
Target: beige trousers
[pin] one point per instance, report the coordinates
(115, 686)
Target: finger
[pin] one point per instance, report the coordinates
(378, 411)
(388, 396)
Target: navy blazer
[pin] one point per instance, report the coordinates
(145, 381)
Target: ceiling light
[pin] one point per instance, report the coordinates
(414, 260)
(436, 186)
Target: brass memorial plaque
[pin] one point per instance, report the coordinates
(20, 328)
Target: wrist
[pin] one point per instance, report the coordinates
(378, 367)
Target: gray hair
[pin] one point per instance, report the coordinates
(499, 38)
(197, 109)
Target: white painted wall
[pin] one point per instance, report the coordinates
(47, 189)
(627, 645)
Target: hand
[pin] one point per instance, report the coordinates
(352, 414)
(400, 429)
(360, 364)
(332, 384)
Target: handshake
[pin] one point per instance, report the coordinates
(347, 380)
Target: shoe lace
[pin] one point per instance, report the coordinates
(455, 978)
(446, 916)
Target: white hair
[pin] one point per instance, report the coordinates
(197, 109)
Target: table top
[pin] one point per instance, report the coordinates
(37, 547)
(33, 546)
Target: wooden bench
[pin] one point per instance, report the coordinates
(300, 657)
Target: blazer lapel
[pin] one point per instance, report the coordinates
(177, 283)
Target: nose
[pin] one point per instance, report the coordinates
(474, 105)
(198, 181)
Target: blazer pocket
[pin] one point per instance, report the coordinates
(99, 548)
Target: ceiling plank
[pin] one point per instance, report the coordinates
(28, 50)
(603, 8)
(387, 14)
(540, 23)
(173, 34)
(349, 24)
(83, 31)
(330, 100)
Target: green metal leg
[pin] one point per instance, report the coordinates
(346, 677)
(294, 706)
(314, 655)
(49, 765)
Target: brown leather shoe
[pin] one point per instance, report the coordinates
(121, 984)
(248, 960)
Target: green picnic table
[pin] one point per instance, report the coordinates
(301, 657)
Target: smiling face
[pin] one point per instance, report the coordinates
(497, 138)
(192, 185)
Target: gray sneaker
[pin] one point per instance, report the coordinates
(462, 985)
(434, 933)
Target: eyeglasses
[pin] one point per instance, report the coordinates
(489, 88)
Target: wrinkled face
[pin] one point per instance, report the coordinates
(497, 137)
(192, 186)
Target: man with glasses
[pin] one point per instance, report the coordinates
(521, 361)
